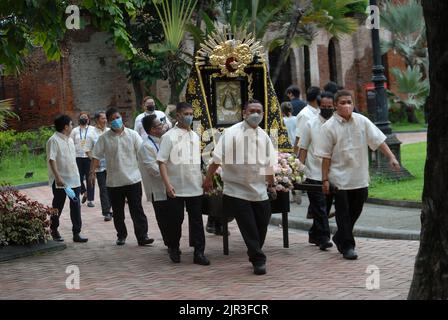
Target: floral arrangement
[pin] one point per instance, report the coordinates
(288, 171)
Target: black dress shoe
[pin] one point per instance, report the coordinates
(79, 238)
(325, 245)
(121, 241)
(145, 241)
(338, 246)
(56, 236)
(201, 259)
(108, 217)
(350, 254)
(259, 269)
(174, 254)
(210, 229)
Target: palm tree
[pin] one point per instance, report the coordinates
(408, 32)
(331, 15)
(414, 87)
(174, 16)
(408, 38)
(5, 112)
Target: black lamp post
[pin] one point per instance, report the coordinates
(380, 114)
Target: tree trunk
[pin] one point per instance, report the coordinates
(285, 48)
(410, 112)
(138, 93)
(198, 25)
(430, 279)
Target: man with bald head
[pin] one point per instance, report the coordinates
(149, 108)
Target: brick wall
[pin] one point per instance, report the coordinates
(324, 65)
(87, 78)
(39, 92)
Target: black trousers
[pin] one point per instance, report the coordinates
(133, 193)
(320, 230)
(84, 169)
(349, 204)
(104, 194)
(161, 210)
(75, 209)
(253, 219)
(175, 216)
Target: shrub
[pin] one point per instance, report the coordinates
(22, 220)
(12, 141)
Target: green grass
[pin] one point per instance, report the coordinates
(413, 157)
(13, 169)
(406, 126)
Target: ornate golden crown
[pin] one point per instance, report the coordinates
(231, 52)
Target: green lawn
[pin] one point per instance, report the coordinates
(13, 169)
(413, 158)
(406, 126)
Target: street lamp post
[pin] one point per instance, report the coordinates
(379, 163)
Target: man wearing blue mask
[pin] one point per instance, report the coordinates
(247, 157)
(179, 161)
(64, 177)
(119, 146)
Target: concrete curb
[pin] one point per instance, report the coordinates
(31, 185)
(411, 131)
(395, 203)
(14, 252)
(378, 233)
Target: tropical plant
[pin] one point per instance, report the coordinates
(5, 112)
(413, 87)
(174, 16)
(300, 29)
(408, 32)
(408, 38)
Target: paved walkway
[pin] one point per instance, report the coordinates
(132, 272)
(376, 221)
(411, 137)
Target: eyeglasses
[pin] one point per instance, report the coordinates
(157, 125)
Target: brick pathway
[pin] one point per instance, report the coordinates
(132, 272)
(412, 137)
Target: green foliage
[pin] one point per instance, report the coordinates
(174, 16)
(27, 24)
(22, 221)
(412, 85)
(406, 23)
(333, 15)
(12, 141)
(110, 15)
(5, 112)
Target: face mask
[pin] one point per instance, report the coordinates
(326, 113)
(188, 120)
(150, 109)
(254, 119)
(70, 193)
(116, 124)
(83, 121)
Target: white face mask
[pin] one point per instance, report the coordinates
(254, 119)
